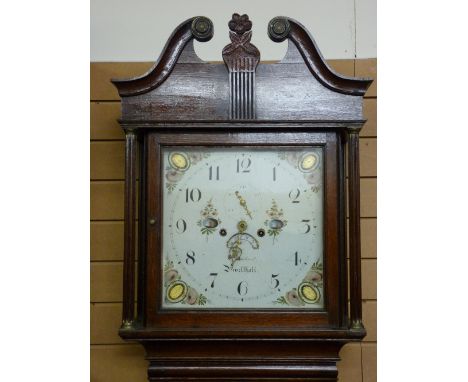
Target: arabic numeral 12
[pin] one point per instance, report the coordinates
(243, 165)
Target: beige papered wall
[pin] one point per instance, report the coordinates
(136, 30)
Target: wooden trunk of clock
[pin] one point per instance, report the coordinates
(298, 104)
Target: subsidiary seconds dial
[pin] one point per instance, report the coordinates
(242, 228)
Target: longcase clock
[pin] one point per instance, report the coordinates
(242, 209)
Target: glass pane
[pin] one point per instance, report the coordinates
(242, 228)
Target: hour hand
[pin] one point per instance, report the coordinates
(243, 203)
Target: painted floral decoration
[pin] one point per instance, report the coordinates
(312, 175)
(209, 219)
(172, 177)
(292, 157)
(309, 291)
(177, 291)
(275, 221)
(179, 162)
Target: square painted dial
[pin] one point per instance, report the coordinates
(242, 228)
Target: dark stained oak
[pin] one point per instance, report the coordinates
(268, 322)
(129, 230)
(184, 101)
(184, 33)
(354, 230)
(241, 58)
(281, 28)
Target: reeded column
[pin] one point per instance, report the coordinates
(128, 311)
(354, 204)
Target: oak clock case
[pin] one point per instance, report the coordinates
(241, 246)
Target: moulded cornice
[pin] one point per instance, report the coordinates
(200, 28)
(281, 28)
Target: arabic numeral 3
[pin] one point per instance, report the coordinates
(307, 226)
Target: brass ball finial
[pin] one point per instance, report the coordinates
(202, 28)
(279, 28)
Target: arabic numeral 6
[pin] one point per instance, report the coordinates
(242, 288)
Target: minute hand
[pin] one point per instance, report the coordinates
(243, 203)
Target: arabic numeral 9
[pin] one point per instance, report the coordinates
(181, 226)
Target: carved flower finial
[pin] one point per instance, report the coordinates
(240, 24)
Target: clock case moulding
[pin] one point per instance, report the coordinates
(296, 101)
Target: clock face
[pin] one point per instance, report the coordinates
(242, 228)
